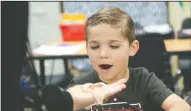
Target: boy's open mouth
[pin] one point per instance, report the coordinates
(105, 66)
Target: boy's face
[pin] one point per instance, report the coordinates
(109, 51)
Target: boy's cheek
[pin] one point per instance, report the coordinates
(121, 57)
(93, 61)
(93, 56)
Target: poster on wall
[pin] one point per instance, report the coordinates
(144, 13)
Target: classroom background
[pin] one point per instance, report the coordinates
(166, 26)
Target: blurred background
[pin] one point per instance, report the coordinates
(44, 19)
(55, 36)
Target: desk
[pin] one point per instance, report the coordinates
(44, 54)
(173, 46)
(178, 46)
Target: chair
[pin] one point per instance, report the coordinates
(165, 30)
(186, 25)
(153, 56)
(184, 62)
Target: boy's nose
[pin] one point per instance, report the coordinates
(104, 53)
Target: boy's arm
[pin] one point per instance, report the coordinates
(160, 94)
(175, 103)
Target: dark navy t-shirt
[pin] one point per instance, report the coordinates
(143, 88)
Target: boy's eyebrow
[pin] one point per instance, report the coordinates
(111, 41)
(115, 41)
(92, 41)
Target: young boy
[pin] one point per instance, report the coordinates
(110, 37)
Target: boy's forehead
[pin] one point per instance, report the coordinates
(110, 41)
(104, 30)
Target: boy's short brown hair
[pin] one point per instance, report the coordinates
(115, 17)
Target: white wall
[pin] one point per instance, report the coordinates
(44, 29)
(43, 22)
(178, 14)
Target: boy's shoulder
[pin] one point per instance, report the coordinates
(138, 70)
(140, 73)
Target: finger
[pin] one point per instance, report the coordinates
(114, 90)
(88, 86)
(99, 85)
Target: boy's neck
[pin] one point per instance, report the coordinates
(122, 75)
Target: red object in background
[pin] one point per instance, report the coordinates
(73, 32)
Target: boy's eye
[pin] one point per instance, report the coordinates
(94, 47)
(114, 47)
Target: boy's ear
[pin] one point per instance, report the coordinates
(86, 46)
(134, 47)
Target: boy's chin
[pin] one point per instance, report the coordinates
(106, 78)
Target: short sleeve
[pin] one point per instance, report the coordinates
(55, 99)
(156, 90)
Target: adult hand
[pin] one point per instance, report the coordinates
(87, 94)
